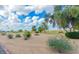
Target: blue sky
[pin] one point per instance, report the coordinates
(15, 17)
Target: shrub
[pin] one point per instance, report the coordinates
(62, 46)
(26, 35)
(3, 33)
(61, 32)
(72, 35)
(10, 36)
(20, 30)
(36, 33)
(40, 29)
(18, 35)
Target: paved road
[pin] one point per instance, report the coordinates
(2, 50)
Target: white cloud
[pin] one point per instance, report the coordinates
(41, 20)
(35, 17)
(27, 20)
(14, 22)
(35, 20)
(38, 11)
(14, 18)
(4, 10)
(22, 9)
(47, 8)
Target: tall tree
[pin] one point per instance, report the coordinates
(67, 17)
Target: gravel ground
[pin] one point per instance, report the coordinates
(34, 45)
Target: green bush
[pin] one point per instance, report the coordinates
(3, 33)
(61, 45)
(40, 29)
(27, 35)
(10, 36)
(18, 35)
(20, 30)
(36, 33)
(61, 32)
(72, 35)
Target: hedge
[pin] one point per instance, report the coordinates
(72, 35)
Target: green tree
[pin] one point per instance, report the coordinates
(40, 29)
(33, 28)
(67, 17)
(43, 27)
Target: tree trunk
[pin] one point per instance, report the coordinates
(70, 29)
(65, 29)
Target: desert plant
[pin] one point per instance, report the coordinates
(40, 29)
(60, 32)
(20, 30)
(61, 45)
(3, 33)
(10, 36)
(36, 33)
(18, 35)
(26, 35)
